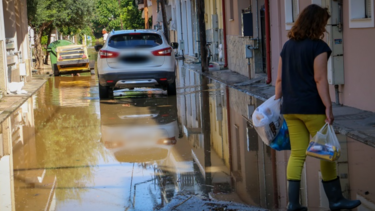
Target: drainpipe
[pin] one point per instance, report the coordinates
(225, 34)
(229, 129)
(268, 41)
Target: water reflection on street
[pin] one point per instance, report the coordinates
(71, 151)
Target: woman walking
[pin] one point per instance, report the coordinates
(302, 83)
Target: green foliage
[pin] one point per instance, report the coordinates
(60, 13)
(109, 13)
(131, 16)
(70, 15)
(44, 40)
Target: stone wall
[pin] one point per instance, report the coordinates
(237, 59)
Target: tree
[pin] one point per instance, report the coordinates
(44, 13)
(109, 14)
(131, 16)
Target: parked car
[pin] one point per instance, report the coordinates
(136, 58)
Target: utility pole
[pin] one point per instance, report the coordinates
(206, 125)
(146, 14)
(119, 5)
(202, 34)
(165, 21)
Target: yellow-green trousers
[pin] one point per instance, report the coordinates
(301, 126)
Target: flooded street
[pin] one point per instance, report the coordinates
(72, 151)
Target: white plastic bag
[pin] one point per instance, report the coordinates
(324, 145)
(267, 120)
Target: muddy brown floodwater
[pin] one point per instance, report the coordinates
(72, 151)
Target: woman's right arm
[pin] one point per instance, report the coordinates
(278, 88)
(320, 76)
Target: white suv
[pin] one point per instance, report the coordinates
(136, 58)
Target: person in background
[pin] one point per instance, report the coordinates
(105, 34)
(303, 85)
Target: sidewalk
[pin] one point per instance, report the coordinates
(10, 103)
(354, 123)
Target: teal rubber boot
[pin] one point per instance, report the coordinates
(293, 194)
(335, 197)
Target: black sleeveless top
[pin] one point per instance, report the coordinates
(300, 94)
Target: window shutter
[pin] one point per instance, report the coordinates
(231, 9)
(368, 8)
(295, 10)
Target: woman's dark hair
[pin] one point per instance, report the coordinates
(310, 23)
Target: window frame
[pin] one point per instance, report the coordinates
(357, 14)
(289, 16)
(231, 10)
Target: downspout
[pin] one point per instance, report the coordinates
(269, 80)
(268, 42)
(225, 34)
(229, 129)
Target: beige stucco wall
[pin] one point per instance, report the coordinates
(219, 130)
(278, 34)
(361, 170)
(359, 63)
(358, 56)
(249, 187)
(235, 42)
(154, 10)
(16, 26)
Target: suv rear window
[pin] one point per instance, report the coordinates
(135, 40)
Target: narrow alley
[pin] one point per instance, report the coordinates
(143, 149)
(159, 105)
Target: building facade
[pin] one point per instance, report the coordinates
(15, 54)
(258, 173)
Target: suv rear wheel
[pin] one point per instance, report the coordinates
(171, 89)
(105, 92)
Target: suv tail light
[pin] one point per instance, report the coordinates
(163, 52)
(107, 54)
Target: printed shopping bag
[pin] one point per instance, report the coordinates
(267, 120)
(282, 140)
(324, 145)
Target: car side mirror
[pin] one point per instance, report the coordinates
(98, 47)
(174, 45)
